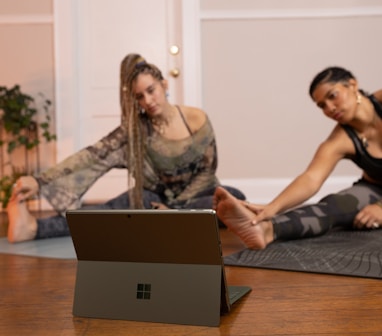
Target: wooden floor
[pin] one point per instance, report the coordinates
(36, 299)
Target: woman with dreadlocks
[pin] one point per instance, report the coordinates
(169, 151)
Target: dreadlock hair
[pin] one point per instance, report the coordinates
(132, 66)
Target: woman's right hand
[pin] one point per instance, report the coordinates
(24, 188)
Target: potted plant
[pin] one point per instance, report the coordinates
(20, 128)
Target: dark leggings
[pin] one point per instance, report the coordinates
(56, 226)
(333, 211)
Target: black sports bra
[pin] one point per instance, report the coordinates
(371, 165)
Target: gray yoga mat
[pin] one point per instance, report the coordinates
(352, 253)
(61, 248)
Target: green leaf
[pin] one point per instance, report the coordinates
(24, 123)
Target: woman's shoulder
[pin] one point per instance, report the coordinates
(195, 117)
(339, 140)
(338, 133)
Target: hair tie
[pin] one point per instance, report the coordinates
(140, 64)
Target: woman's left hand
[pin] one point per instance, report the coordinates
(159, 206)
(370, 217)
(255, 208)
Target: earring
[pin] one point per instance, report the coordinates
(167, 94)
(359, 98)
(142, 111)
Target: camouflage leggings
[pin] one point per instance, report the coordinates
(334, 210)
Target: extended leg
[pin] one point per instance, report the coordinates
(335, 210)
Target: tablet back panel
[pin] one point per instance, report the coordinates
(148, 265)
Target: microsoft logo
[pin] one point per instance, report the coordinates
(143, 291)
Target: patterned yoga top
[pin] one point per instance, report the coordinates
(178, 170)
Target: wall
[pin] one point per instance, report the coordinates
(27, 53)
(257, 61)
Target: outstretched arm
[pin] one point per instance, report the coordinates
(328, 154)
(64, 184)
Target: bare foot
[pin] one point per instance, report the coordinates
(22, 225)
(238, 219)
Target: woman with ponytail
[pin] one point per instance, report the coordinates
(356, 136)
(169, 152)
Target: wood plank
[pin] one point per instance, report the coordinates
(37, 295)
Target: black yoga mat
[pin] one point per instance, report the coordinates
(353, 253)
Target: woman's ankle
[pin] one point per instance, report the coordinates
(269, 235)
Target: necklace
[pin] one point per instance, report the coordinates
(159, 125)
(365, 143)
(369, 131)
